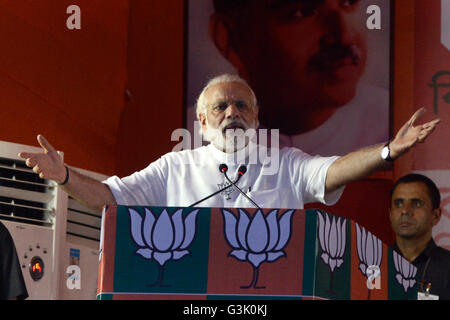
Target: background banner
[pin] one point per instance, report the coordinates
(320, 72)
(432, 90)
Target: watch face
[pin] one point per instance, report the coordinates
(385, 152)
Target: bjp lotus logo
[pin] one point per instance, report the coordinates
(406, 272)
(163, 238)
(332, 239)
(257, 239)
(370, 253)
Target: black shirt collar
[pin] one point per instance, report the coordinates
(426, 253)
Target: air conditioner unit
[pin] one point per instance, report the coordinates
(35, 212)
(81, 247)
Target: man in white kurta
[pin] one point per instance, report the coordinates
(182, 178)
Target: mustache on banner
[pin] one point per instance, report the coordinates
(333, 56)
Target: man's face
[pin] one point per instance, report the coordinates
(411, 214)
(229, 108)
(304, 52)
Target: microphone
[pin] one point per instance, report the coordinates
(241, 171)
(222, 168)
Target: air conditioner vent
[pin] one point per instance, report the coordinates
(14, 173)
(82, 221)
(24, 196)
(35, 212)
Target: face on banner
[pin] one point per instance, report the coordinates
(301, 57)
(305, 60)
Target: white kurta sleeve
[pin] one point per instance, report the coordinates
(145, 187)
(309, 177)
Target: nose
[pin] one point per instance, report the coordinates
(407, 209)
(232, 111)
(337, 28)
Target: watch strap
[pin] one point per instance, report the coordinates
(388, 158)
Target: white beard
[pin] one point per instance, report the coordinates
(230, 140)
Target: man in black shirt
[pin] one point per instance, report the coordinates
(415, 209)
(12, 284)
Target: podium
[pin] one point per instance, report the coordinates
(227, 253)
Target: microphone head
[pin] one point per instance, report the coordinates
(223, 168)
(242, 170)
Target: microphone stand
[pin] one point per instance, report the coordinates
(234, 184)
(211, 195)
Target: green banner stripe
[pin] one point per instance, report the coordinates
(309, 253)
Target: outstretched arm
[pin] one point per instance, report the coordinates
(49, 165)
(362, 163)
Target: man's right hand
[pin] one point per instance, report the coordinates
(47, 164)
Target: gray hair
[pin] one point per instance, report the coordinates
(224, 78)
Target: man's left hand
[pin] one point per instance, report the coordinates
(410, 134)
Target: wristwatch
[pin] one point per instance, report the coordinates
(386, 153)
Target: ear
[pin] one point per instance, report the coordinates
(202, 119)
(390, 214)
(220, 31)
(437, 213)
